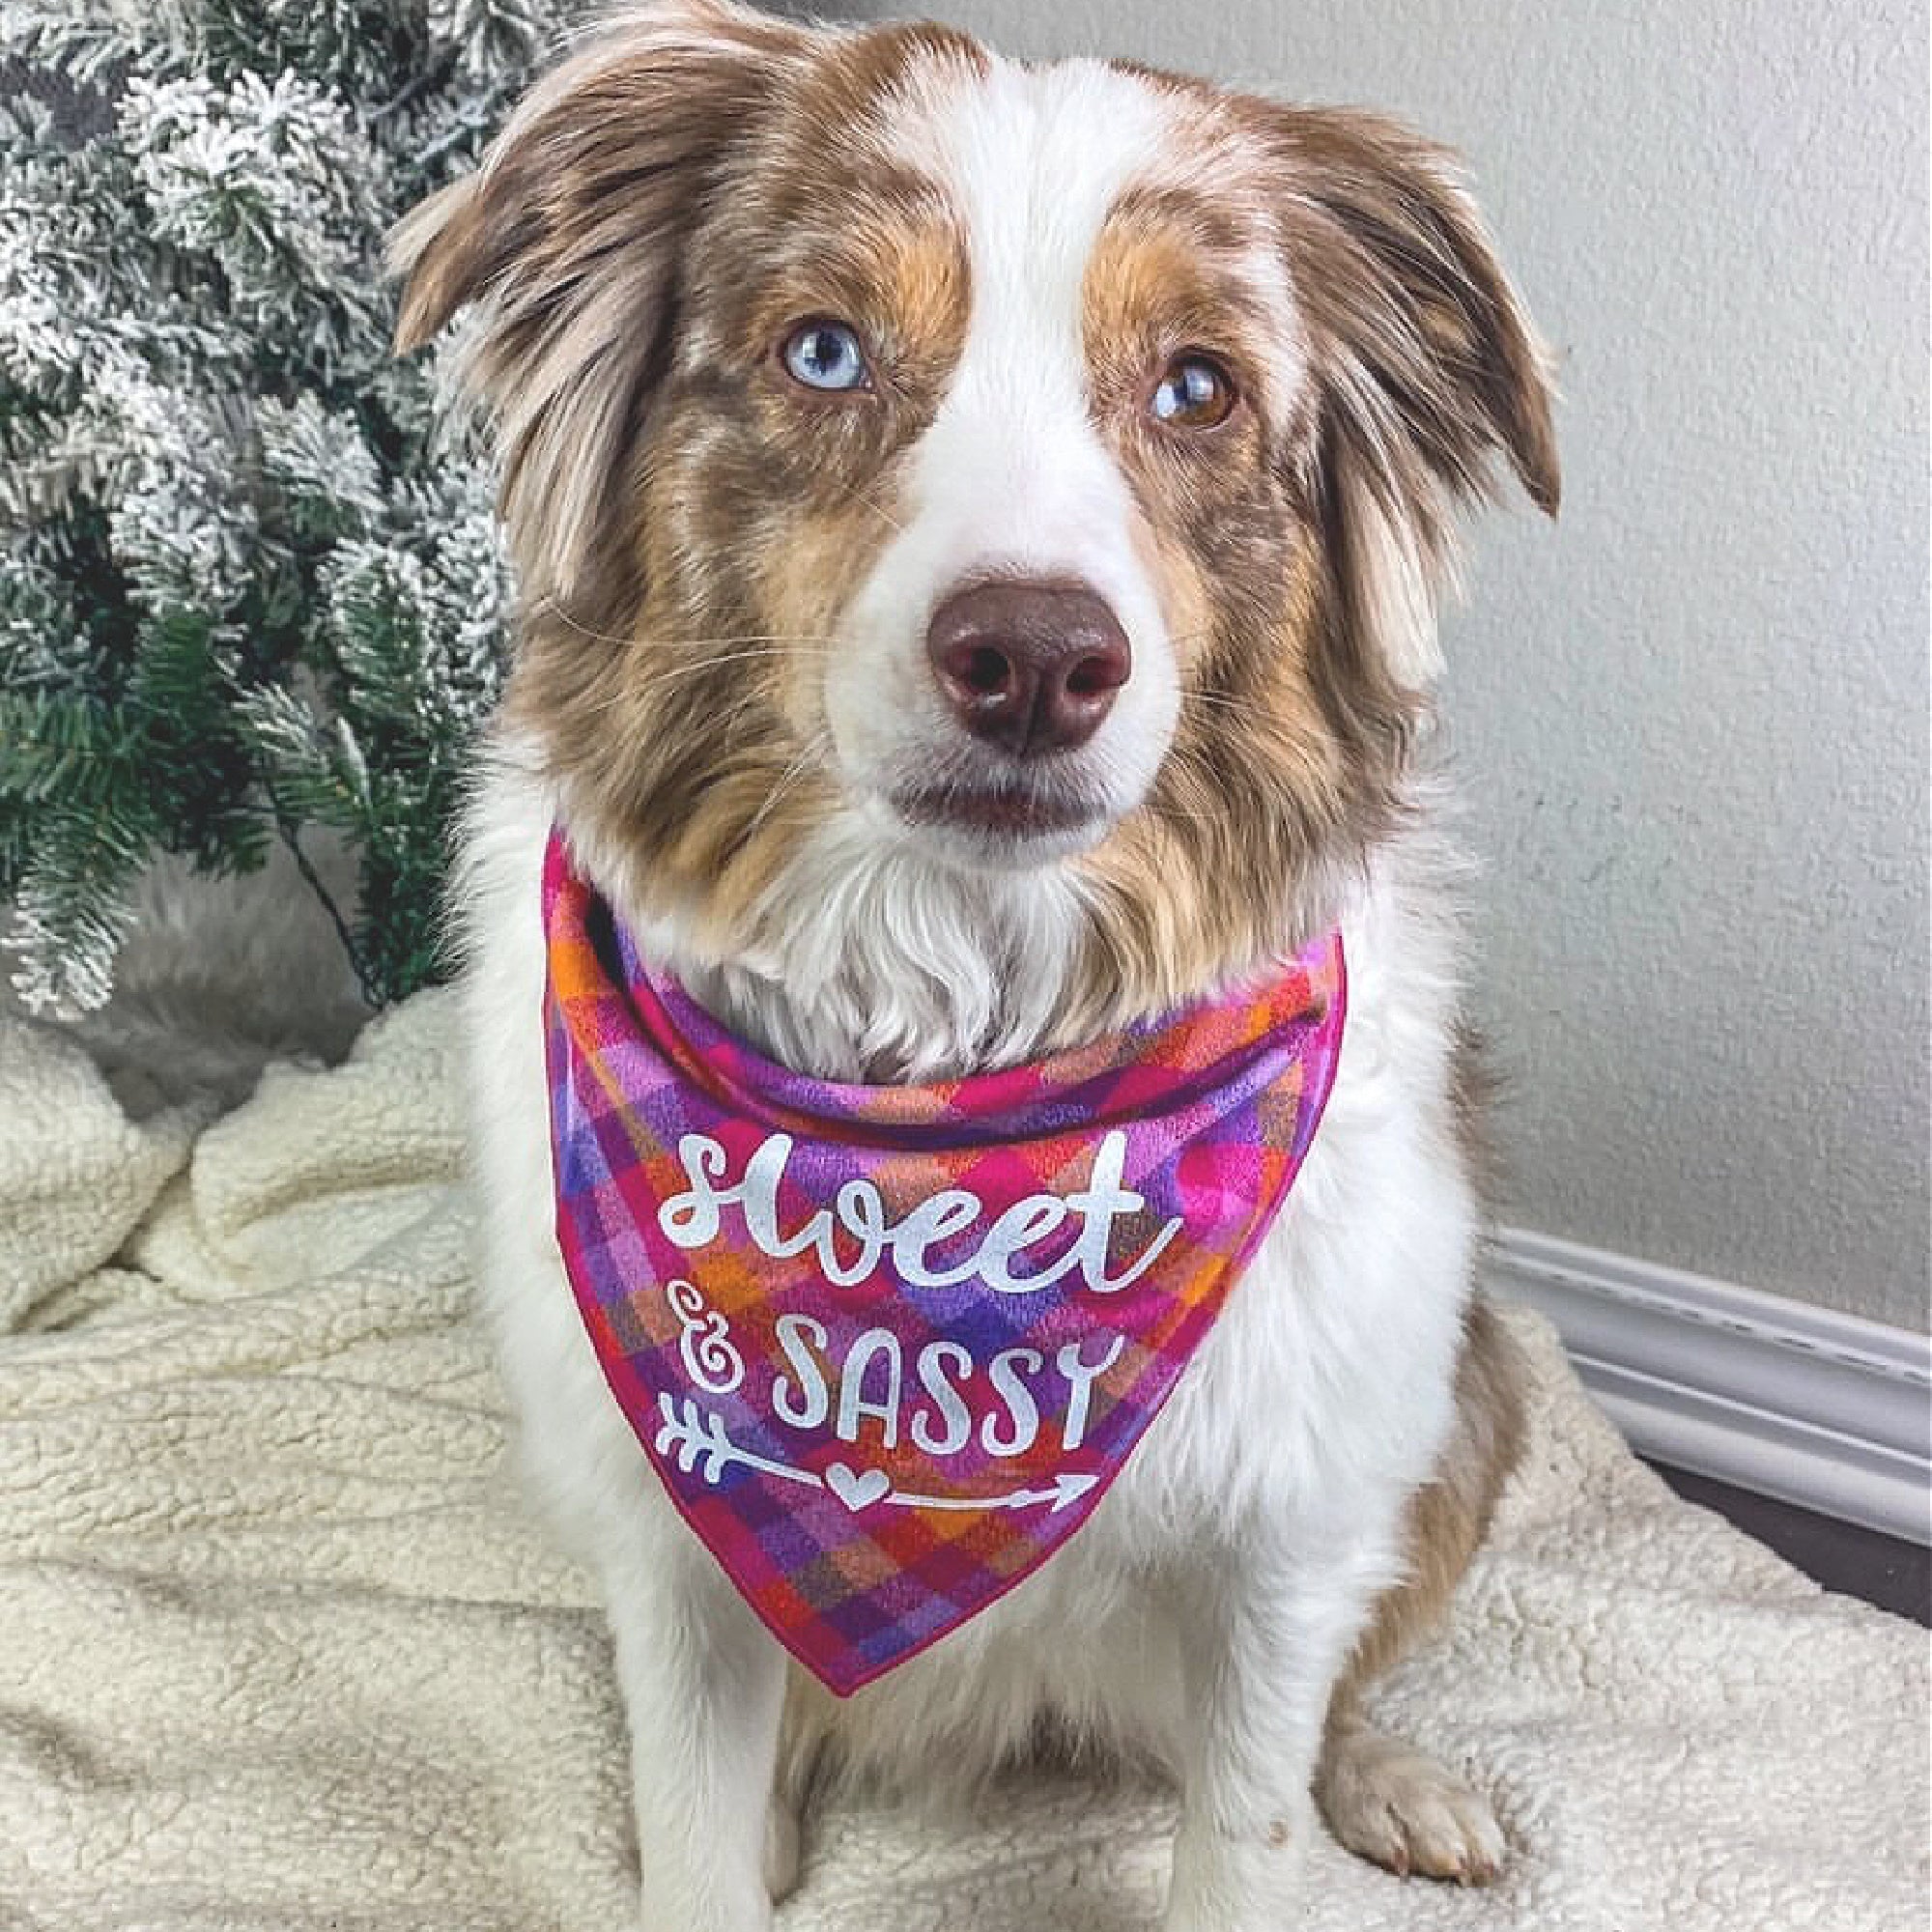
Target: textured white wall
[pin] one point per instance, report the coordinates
(1691, 718)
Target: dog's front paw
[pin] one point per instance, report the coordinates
(1237, 1881)
(1387, 1801)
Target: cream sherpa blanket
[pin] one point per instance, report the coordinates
(279, 1650)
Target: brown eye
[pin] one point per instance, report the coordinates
(1195, 393)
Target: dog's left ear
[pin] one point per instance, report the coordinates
(569, 241)
(1425, 362)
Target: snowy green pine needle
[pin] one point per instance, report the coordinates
(246, 589)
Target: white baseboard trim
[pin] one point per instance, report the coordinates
(1817, 1409)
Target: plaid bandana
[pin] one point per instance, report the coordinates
(886, 1347)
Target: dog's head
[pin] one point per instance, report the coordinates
(1040, 472)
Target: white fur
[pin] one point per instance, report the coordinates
(885, 959)
(1013, 477)
(1215, 1592)
(1204, 1612)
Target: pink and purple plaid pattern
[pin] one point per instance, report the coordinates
(886, 1347)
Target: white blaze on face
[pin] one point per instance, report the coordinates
(1013, 477)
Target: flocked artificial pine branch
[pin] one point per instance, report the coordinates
(248, 590)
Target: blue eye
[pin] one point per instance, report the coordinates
(1195, 393)
(826, 356)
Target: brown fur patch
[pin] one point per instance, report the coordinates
(1197, 887)
(1450, 1515)
(570, 240)
(1309, 527)
(1476, 1092)
(690, 525)
(689, 522)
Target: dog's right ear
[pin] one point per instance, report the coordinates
(568, 240)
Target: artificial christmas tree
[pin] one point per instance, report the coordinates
(251, 591)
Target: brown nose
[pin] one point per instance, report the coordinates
(1029, 666)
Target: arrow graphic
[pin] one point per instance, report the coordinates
(698, 1436)
(1067, 1491)
(697, 1439)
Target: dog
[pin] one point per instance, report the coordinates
(979, 528)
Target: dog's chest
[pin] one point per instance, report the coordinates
(886, 1347)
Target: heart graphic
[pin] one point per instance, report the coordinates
(857, 1490)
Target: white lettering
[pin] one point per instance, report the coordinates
(1023, 1224)
(1101, 1203)
(1080, 1379)
(948, 1404)
(759, 1195)
(863, 1213)
(692, 1219)
(949, 1212)
(874, 1345)
(1019, 1401)
(804, 1341)
(1006, 1402)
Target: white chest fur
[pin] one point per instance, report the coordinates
(1313, 1410)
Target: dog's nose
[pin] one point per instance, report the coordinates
(1029, 667)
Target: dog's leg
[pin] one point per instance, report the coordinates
(1382, 1799)
(703, 1686)
(801, 1740)
(784, 1847)
(1262, 1644)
